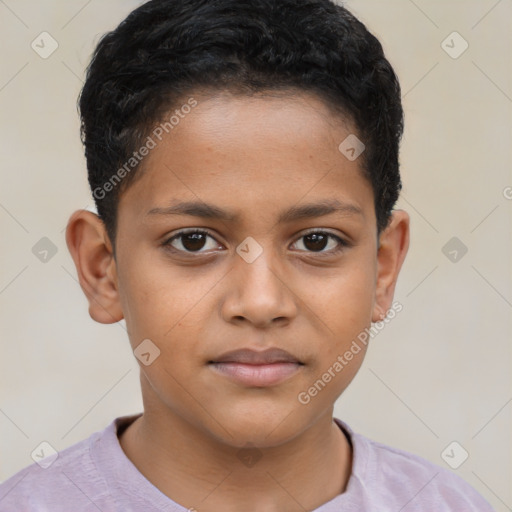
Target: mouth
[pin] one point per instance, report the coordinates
(256, 368)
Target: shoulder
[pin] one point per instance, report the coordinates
(408, 480)
(61, 481)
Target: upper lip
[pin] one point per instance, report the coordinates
(249, 356)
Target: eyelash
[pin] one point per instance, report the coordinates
(342, 244)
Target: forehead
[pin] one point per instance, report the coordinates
(249, 151)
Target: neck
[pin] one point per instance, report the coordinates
(197, 471)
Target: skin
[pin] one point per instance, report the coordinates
(255, 157)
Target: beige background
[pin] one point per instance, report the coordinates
(439, 372)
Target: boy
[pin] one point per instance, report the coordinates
(243, 156)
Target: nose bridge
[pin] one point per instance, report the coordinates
(259, 293)
(258, 266)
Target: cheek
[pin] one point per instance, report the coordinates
(346, 311)
(347, 300)
(141, 306)
(167, 309)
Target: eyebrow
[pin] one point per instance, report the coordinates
(305, 211)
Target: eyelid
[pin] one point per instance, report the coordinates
(342, 242)
(185, 231)
(320, 230)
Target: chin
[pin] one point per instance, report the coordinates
(261, 427)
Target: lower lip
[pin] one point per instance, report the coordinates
(256, 375)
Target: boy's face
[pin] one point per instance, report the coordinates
(255, 281)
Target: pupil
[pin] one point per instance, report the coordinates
(319, 241)
(196, 241)
(193, 241)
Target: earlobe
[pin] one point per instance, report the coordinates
(92, 254)
(394, 243)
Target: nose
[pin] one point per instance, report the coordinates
(259, 293)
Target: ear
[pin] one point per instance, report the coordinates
(91, 250)
(394, 242)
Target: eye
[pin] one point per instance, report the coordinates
(190, 241)
(316, 241)
(193, 240)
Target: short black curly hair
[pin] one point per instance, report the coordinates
(168, 49)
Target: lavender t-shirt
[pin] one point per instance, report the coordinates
(95, 475)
